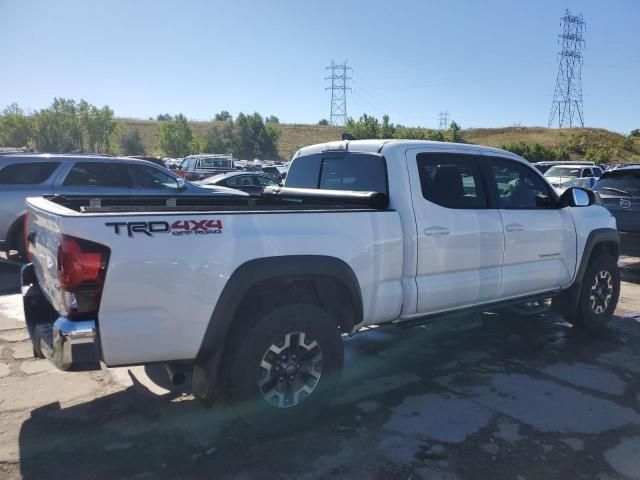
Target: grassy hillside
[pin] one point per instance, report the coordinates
(553, 138)
(293, 137)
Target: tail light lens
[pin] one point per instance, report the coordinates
(82, 266)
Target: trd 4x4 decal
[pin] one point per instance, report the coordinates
(179, 227)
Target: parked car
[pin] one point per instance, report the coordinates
(273, 172)
(565, 176)
(267, 290)
(544, 166)
(30, 175)
(249, 182)
(619, 190)
(199, 167)
(157, 160)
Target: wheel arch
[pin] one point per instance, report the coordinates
(325, 272)
(599, 241)
(272, 269)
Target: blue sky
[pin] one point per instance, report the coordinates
(489, 63)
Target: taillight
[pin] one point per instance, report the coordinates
(81, 270)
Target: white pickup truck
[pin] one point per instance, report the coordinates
(255, 294)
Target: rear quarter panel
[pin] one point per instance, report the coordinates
(161, 290)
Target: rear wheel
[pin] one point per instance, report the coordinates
(281, 368)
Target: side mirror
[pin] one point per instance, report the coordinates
(182, 185)
(577, 197)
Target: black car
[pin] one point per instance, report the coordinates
(619, 190)
(249, 182)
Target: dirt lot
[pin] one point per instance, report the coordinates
(517, 398)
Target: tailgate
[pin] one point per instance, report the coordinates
(43, 237)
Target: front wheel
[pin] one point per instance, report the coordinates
(282, 366)
(599, 293)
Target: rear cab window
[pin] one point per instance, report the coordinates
(30, 173)
(352, 171)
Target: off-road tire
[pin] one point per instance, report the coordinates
(599, 294)
(251, 346)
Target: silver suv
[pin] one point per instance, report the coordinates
(31, 175)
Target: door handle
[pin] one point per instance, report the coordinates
(514, 227)
(437, 231)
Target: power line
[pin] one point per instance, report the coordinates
(339, 79)
(444, 120)
(567, 105)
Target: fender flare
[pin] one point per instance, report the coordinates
(597, 236)
(571, 296)
(254, 271)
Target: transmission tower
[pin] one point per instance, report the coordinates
(339, 78)
(567, 98)
(444, 120)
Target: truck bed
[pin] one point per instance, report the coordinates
(274, 199)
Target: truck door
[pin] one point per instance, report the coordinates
(460, 239)
(540, 238)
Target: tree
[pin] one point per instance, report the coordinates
(387, 130)
(99, 124)
(175, 137)
(131, 142)
(223, 116)
(164, 117)
(365, 127)
(635, 132)
(272, 119)
(219, 138)
(58, 128)
(323, 122)
(15, 127)
(252, 138)
(454, 132)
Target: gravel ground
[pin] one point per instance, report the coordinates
(517, 398)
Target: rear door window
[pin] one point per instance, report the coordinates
(451, 180)
(97, 174)
(27, 173)
(266, 182)
(241, 181)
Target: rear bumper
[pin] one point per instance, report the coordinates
(68, 344)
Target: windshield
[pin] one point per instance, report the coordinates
(625, 180)
(562, 172)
